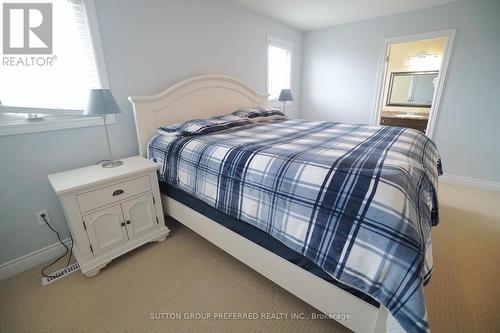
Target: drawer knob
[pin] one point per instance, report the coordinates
(117, 192)
(122, 224)
(128, 222)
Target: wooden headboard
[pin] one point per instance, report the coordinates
(198, 97)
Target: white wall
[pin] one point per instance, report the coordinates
(148, 46)
(340, 71)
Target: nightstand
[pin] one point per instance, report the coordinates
(110, 211)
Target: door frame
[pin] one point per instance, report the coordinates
(449, 34)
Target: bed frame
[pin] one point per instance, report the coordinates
(213, 95)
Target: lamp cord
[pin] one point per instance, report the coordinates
(70, 250)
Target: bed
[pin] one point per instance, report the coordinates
(354, 201)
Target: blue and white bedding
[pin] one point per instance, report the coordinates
(358, 200)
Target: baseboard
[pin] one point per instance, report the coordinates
(32, 259)
(471, 182)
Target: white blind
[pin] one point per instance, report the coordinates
(82, 25)
(279, 59)
(65, 84)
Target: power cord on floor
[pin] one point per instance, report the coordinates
(70, 250)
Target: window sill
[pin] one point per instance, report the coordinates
(15, 124)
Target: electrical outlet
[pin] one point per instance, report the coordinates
(40, 218)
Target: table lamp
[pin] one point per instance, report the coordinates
(285, 96)
(101, 103)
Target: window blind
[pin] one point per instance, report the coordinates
(63, 86)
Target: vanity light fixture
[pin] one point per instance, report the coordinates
(424, 61)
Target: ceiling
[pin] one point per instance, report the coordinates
(316, 14)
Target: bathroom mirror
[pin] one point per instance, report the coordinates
(413, 89)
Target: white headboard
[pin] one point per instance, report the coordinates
(198, 97)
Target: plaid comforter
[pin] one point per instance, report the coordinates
(358, 200)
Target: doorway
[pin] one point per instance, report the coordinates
(412, 79)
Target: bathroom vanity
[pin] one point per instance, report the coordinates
(416, 121)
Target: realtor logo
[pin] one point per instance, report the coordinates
(27, 28)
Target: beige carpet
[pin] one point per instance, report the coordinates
(464, 292)
(187, 274)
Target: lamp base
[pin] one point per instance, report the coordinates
(111, 164)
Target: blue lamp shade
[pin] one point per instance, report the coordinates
(101, 101)
(285, 95)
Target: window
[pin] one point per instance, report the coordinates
(279, 66)
(54, 85)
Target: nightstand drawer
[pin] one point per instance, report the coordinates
(106, 195)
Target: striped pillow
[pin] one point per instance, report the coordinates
(267, 118)
(203, 126)
(258, 112)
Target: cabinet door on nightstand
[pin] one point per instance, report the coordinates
(140, 215)
(105, 229)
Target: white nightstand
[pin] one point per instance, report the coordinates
(110, 211)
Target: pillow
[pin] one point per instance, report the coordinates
(203, 126)
(170, 130)
(267, 118)
(257, 112)
(227, 117)
(248, 113)
(273, 112)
